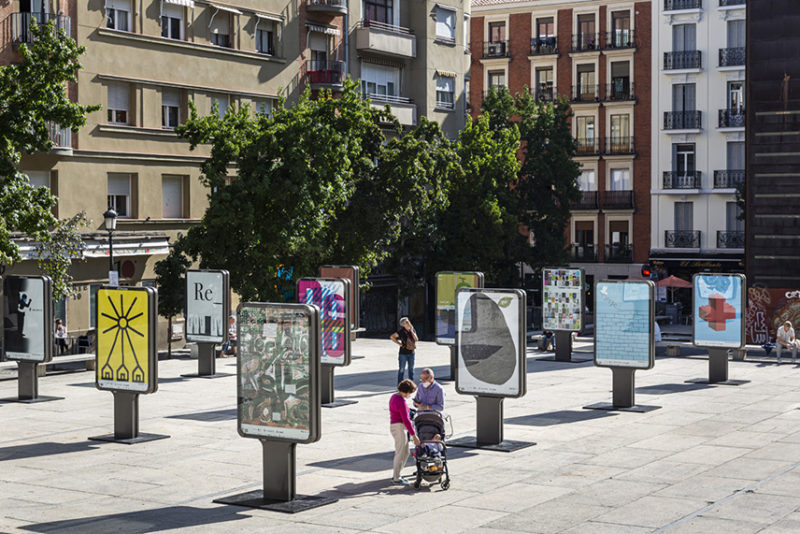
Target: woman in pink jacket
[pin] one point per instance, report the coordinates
(399, 423)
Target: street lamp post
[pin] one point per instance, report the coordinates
(110, 221)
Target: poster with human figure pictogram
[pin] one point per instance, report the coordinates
(719, 304)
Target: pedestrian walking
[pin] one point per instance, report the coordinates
(407, 338)
(399, 424)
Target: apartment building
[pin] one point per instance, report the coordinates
(698, 135)
(596, 54)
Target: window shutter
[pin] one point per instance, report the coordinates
(119, 96)
(119, 184)
(172, 197)
(171, 97)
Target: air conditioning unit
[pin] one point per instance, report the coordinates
(496, 50)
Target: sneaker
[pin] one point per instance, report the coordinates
(401, 482)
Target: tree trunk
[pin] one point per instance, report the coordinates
(169, 337)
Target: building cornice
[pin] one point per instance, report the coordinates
(187, 86)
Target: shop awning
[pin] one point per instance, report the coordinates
(184, 3)
(322, 29)
(225, 8)
(446, 73)
(267, 16)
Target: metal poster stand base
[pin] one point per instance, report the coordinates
(327, 389)
(623, 393)
(490, 429)
(452, 376)
(206, 362)
(717, 370)
(564, 350)
(279, 493)
(28, 385)
(126, 421)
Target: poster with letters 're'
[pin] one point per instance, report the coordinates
(719, 308)
(563, 299)
(623, 324)
(332, 297)
(207, 306)
(28, 323)
(127, 359)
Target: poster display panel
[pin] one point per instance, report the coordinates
(127, 358)
(352, 273)
(28, 324)
(278, 372)
(623, 324)
(767, 310)
(207, 306)
(490, 342)
(447, 283)
(563, 299)
(332, 297)
(718, 304)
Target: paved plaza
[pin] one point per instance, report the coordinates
(712, 459)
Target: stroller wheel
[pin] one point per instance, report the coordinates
(446, 484)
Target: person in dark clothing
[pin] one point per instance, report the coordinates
(406, 337)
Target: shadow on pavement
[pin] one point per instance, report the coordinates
(154, 520)
(665, 389)
(17, 452)
(160, 381)
(558, 418)
(380, 461)
(212, 415)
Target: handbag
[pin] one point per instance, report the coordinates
(409, 343)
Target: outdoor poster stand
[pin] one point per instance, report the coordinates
(332, 297)
(127, 358)
(624, 338)
(563, 302)
(28, 331)
(490, 343)
(352, 273)
(718, 304)
(208, 306)
(278, 386)
(447, 283)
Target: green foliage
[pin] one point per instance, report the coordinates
(170, 282)
(32, 94)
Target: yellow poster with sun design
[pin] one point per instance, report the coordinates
(126, 359)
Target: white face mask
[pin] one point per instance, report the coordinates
(427, 384)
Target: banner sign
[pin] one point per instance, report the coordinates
(332, 297)
(28, 323)
(563, 299)
(208, 304)
(623, 324)
(718, 304)
(447, 283)
(278, 372)
(767, 310)
(127, 358)
(352, 273)
(490, 342)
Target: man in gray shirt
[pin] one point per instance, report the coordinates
(786, 341)
(430, 395)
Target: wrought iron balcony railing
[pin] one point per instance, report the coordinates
(333, 6)
(587, 252)
(585, 93)
(725, 3)
(731, 239)
(675, 5)
(728, 179)
(687, 59)
(619, 253)
(682, 120)
(544, 46)
(682, 238)
(587, 147)
(620, 39)
(731, 118)
(61, 137)
(619, 90)
(21, 24)
(496, 49)
(618, 200)
(367, 23)
(588, 201)
(619, 146)
(545, 93)
(731, 57)
(324, 72)
(585, 42)
(682, 179)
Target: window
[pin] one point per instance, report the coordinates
(265, 41)
(619, 232)
(38, 178)
(445, 92)
(683, 97)
(683, 159)
(545, 31)
(445, 24)
(620, 80)
(620, 29)
(318, 44)
(497, 78)
(586, 83)
(683, 216)
(684, 38)
(736, 33)
(584, 233)
(118, 103)
(220, 29)
(735, 153)
(172, 196)
(119, 194)
(170, 108)
(621, 180)
(544, 83)
(379, 11)
(222, 102)
(171, 21)
(732, 221)
(736, 97)
(118, 15)
(379, 81)
(584, 128)
(586, 32)
(497, 32)
(586, 181)
(263, 107)
(620, 129)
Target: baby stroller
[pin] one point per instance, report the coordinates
(431, 455)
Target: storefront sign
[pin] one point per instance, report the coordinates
(207, 306)
(719, 305)
(563, 299)
(331, 296)
(624, 319)
(447, 283)
(28, 324)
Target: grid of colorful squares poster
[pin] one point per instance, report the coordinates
(563, 299)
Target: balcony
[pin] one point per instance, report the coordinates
(682, 238)
(21, 23)
(619, 146)
(544, 46)
(585, 42)
(619, 253)
(728, 179)
(587, 147)
(497, 49)
(677, 5)
(733, 239)
(337, 7)
(325, 74)
(620, 91)
(380, 38)
(620, 39)
(689, 59)
(61, 138)
(583, 253)
(544, 94)
(585, 93)
(618, 200)
(731, 118)
(403, 109)
(682, 120)
(728, 3)
(682, 179)
(731, 57)
(588, 201)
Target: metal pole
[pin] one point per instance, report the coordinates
(327, 384)
(126, 415)
(206, 360)
(489, 420)
(27, 381)
(453, 361)
(623, 391)
(279, 470)
(563, 346)
(717, 365)
(110, 252)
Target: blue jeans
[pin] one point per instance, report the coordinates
(405, 360)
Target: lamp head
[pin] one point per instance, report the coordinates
(110, 219)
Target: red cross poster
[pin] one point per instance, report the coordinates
(719, 305)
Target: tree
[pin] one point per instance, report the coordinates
(32, 94)
(171, 287)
